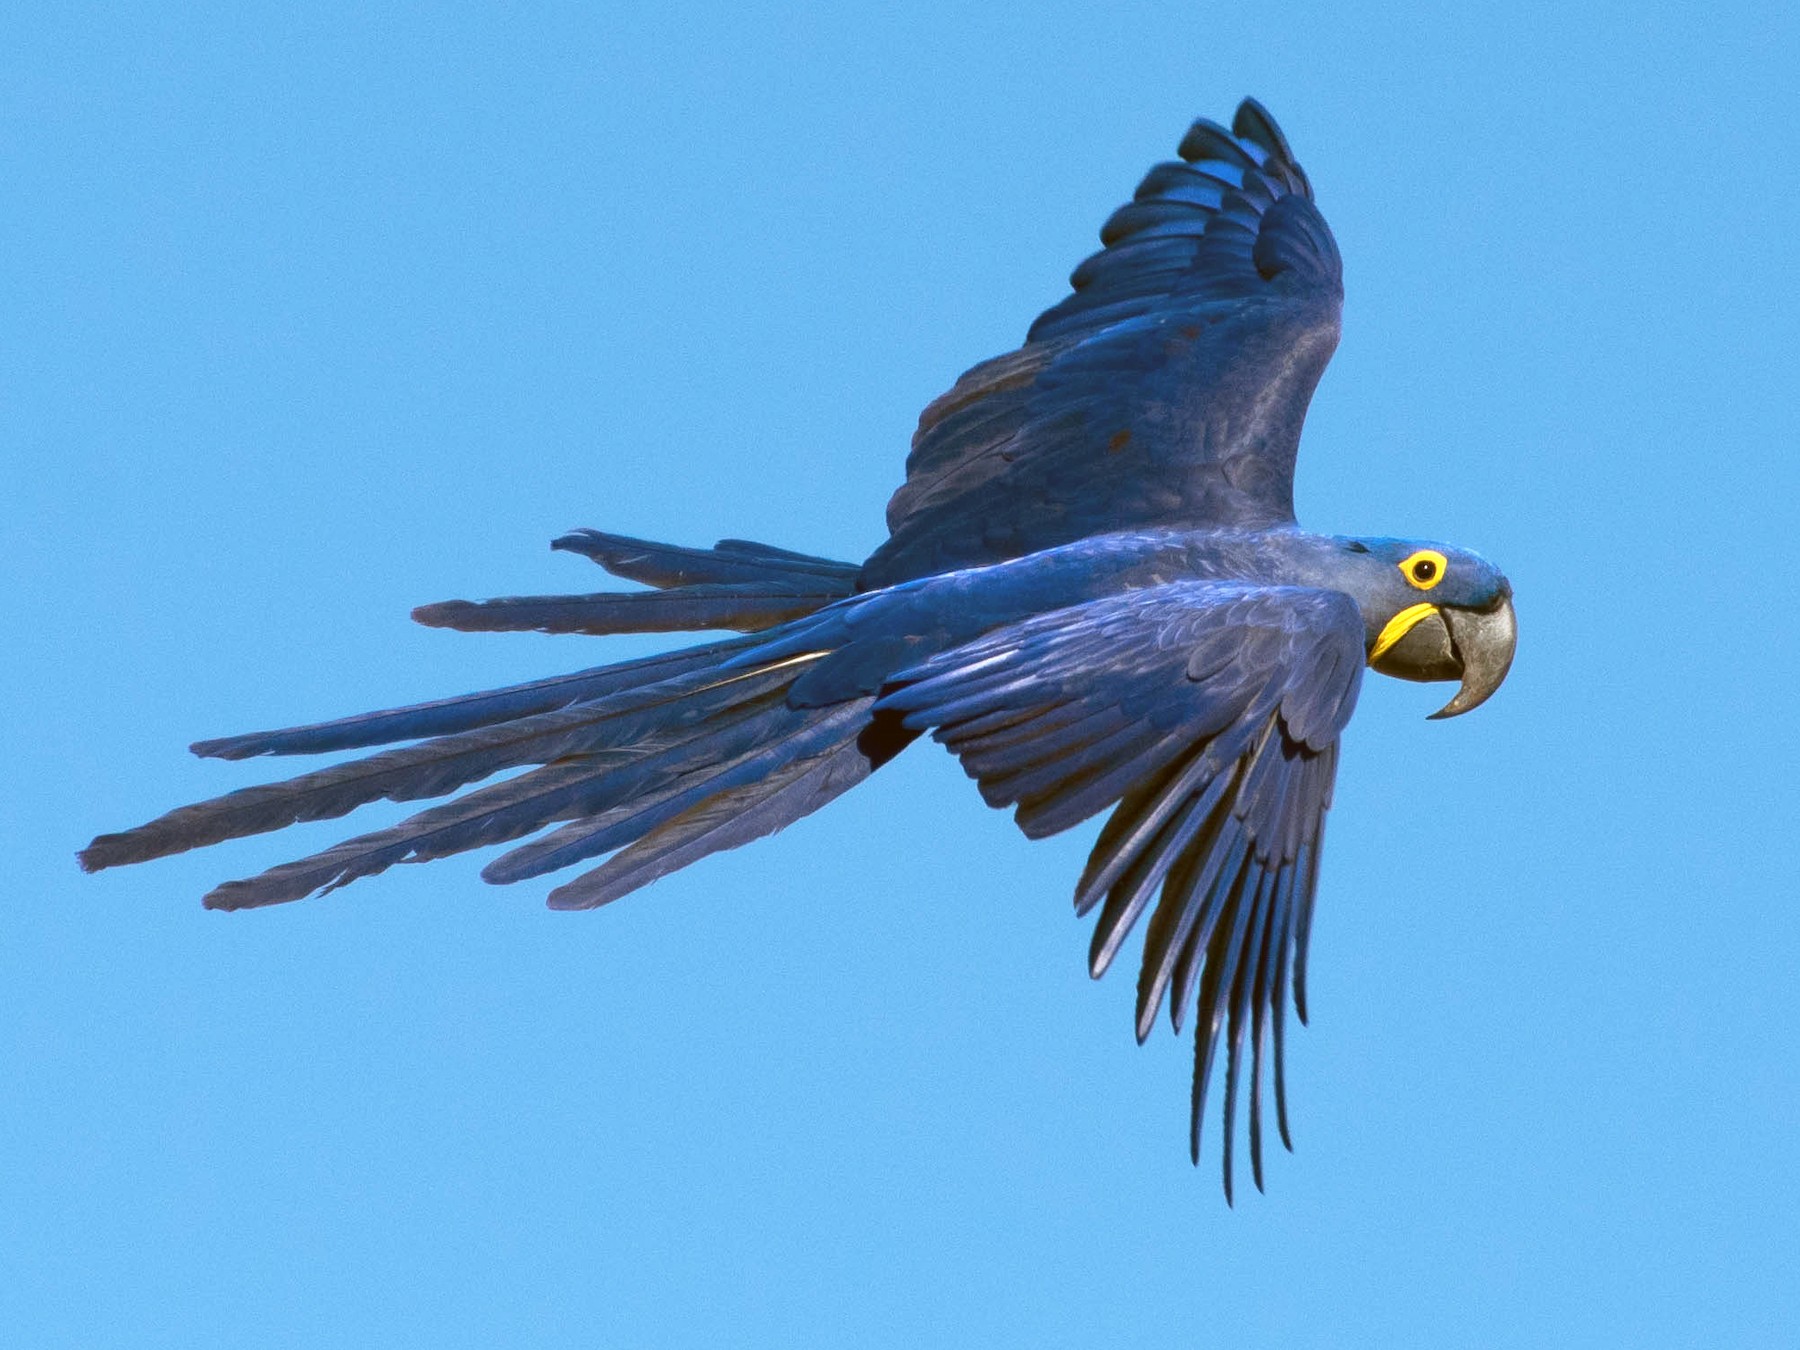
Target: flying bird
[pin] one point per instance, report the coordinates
(1094, 592)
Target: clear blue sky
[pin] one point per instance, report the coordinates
(311, 314)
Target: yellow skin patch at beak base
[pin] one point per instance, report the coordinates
(1398, 627)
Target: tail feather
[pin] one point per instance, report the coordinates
(805, 735)
(575, 786)
(489, 815)
(751, 549)
(613, 798)
(720, 822)
(745, 606)
(465, 713)
(632, 718)
(729, 562)
(735, 584)
(660, 760)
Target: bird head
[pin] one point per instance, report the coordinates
(1435, 612)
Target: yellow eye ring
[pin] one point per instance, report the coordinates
(1424, 569)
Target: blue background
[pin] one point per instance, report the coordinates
(310, 316)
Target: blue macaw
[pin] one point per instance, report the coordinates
(1094, 592)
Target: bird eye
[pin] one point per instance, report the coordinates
(1424, 569)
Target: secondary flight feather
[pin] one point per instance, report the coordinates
(1094, 593)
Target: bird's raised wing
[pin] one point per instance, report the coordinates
(1210, 712)
(1169, 389)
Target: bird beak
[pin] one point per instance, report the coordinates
(1431, 642)
(1483, 643)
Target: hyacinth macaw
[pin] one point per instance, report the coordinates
(1093, 591)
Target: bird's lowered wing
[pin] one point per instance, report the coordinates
(1210, 713)
(1168, 389)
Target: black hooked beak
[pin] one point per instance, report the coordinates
(1472, 645)
(1484, 641)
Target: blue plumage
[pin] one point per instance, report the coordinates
(1094, 594)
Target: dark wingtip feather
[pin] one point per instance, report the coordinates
(1233, 1048)
(1277, 1000)
(1254, 124)
(1259, 997)
(1281, 1115)
(1207, 140)
(1256, 1155)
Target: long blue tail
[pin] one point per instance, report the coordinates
(663, 760)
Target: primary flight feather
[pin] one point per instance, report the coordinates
(1093, 592)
